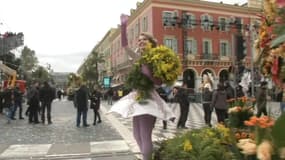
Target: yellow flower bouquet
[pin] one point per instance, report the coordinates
(157, 66)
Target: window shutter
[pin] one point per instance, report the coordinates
(194, 46)
(229, 49)
(202, 21)
(211, 20)
(174, 45)
(193, 21)
(164, 42)
(228, 26)
(220, 49)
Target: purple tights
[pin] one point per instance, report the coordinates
(142, 128)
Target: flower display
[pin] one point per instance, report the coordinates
(261, 127)
(247, 146)
(265, 150)
(156, 66)
(240, 109)
(270, 45)
(263, 140)
(206, 143)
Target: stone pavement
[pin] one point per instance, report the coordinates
(62, 139)
(112, 139)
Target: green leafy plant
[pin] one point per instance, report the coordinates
(205, 143)
(240, 110)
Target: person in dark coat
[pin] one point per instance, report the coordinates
(110, 94)
(81, 103)
(162, 93)
(261, 99)
(8, 97)
(47, 95)
(1, 99)
(219, 102)
(95, 100)
(207, 92)
(180, 96)
(18, 98)
(34, 103)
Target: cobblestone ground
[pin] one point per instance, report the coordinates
(63, 129)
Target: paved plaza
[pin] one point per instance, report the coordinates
(112, 139)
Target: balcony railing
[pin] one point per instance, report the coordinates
(208, 60)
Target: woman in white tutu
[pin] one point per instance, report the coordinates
(144, 115)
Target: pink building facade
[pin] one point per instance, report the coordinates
(209, 37)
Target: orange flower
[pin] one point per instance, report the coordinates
(249, 123)
(254, 119)
(265, 122)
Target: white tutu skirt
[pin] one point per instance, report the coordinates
(127, 107)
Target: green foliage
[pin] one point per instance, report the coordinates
(138, 81)
(29, 61)
(278, 132)
(40, 74)
(279, 28)
(90, 70)
(205, 143)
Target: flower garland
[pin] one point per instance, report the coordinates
(157, 66)
(270, 45)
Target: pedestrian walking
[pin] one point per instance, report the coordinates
(9, 102)
(261, 99)
(18, 98)
(95, 101)
(59, 94)
(34, 103)
(207, 92)
(1, 99)
(219, 103)
(162, 93)
(47, 95)
(81, 103)
(181, 97)
(110, 94)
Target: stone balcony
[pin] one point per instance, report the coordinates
(207, 60)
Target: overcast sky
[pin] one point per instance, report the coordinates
(63, 32)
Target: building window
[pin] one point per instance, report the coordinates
(190, 46)
(206, 22)
(144, 24)
(222, 24)
(136, 32)
(238, 23)
(207, 49)
(171, 43)
(224, 48)
(131, 36)
(188, 20)
(169, 18)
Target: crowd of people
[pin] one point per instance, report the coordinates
(39, 97)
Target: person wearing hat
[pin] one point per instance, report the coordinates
(261, 99)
